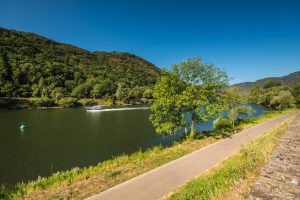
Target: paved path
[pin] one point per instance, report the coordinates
(280, 179)
(164, 179)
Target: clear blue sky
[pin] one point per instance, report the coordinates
(250, 39)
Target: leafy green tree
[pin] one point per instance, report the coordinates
(81, 91)
(235, 107)
(283, 100)
(58, 93)
(256, 96)
(148, 93)
(120, 92)
(8, 90)
(191, 93)
(102, 88)
(167, 115)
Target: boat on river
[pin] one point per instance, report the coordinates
(94, 108)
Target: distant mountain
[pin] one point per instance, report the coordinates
(291, 79)
(35, 66)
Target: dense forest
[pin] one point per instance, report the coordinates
(34, 66)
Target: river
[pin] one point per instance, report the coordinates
(60, 139)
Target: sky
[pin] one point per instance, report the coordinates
(250, 39)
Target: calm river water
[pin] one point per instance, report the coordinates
(60, 139)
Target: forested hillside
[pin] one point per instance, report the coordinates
(289, 80)
(34, 66)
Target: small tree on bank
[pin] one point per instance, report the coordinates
(235, 108)
(190, 93)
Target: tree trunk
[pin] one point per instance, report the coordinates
(192, 127)
(192, 134)
(233, 128)
(186, 132)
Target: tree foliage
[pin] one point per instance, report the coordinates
(277, 97)
(190, 93)
(235, 107)
(283, 100)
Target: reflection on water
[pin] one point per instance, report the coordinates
(22, 132)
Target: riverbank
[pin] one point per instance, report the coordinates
(233, 178)
(83, 182)
(68, 102)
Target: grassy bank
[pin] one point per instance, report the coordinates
(82, 182)
(234, 176)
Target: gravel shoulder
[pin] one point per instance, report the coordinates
(280, 179)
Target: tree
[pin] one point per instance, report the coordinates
(190, 93)
(8, 90)
(148, 93)
(283, 100)
(81, 91)
(256, 96)
(58, 93)
(234, 105)
(167, 117)
(120, 92)
(102, 88)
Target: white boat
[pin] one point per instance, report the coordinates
(100, 109)
(94, 108)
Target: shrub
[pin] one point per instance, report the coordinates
(87, 102)
(68, 102)
(44, 102)
(222, 125)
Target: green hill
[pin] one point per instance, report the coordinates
(34, 66)
(289, 80)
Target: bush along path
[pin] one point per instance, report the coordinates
(162, 180)
(233, 178)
